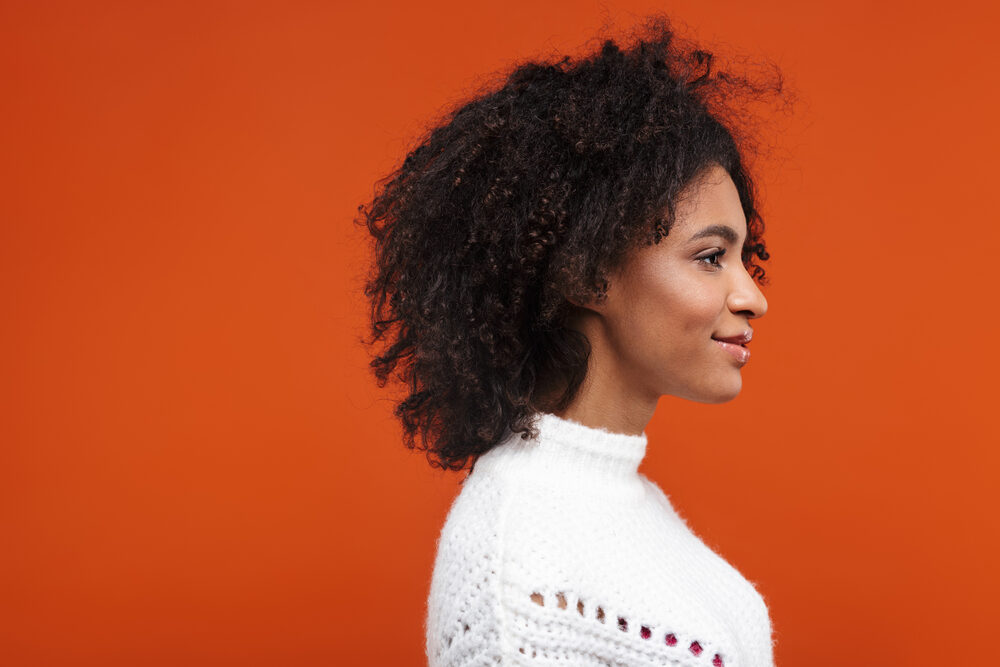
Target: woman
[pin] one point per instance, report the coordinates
(550, 260)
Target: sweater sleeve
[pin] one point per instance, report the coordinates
(464, 622)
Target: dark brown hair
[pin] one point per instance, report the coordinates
(525, 197)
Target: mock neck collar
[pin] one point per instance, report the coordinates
(565, 445)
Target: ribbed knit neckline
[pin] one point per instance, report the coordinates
(570, 446)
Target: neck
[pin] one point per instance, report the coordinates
(613, 395)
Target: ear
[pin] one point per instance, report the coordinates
(589, 305)
(585, 302)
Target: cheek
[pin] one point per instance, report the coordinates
(698, 311)
(667, 319)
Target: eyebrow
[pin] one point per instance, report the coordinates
(726, 232)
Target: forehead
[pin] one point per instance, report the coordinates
(709, 205)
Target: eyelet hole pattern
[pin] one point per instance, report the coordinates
(670, 639)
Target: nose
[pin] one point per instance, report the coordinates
(746, 298)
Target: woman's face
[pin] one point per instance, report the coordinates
(671, 299)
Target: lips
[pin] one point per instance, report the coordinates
(741, 338)
(735, 345)
(739, 353)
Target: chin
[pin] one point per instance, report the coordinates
(716, 395)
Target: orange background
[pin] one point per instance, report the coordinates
(197, 467)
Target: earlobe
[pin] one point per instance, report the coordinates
(576, 311)
(588, 303)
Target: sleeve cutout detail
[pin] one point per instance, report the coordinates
(670, 639)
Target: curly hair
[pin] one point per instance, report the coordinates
(520, 201)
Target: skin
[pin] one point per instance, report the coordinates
(652, 336)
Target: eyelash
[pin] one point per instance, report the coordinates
(713, 256)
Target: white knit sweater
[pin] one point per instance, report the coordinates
(557, 551)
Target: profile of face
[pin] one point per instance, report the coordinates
(669, 302)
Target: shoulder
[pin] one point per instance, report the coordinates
(476, 508)
(463, 620)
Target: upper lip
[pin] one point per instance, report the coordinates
(741, 338)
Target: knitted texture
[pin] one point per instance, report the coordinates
(557, 551)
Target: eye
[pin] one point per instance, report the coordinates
(713, 259)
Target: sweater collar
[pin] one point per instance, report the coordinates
(565, 445)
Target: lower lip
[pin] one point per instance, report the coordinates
(740, 353)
